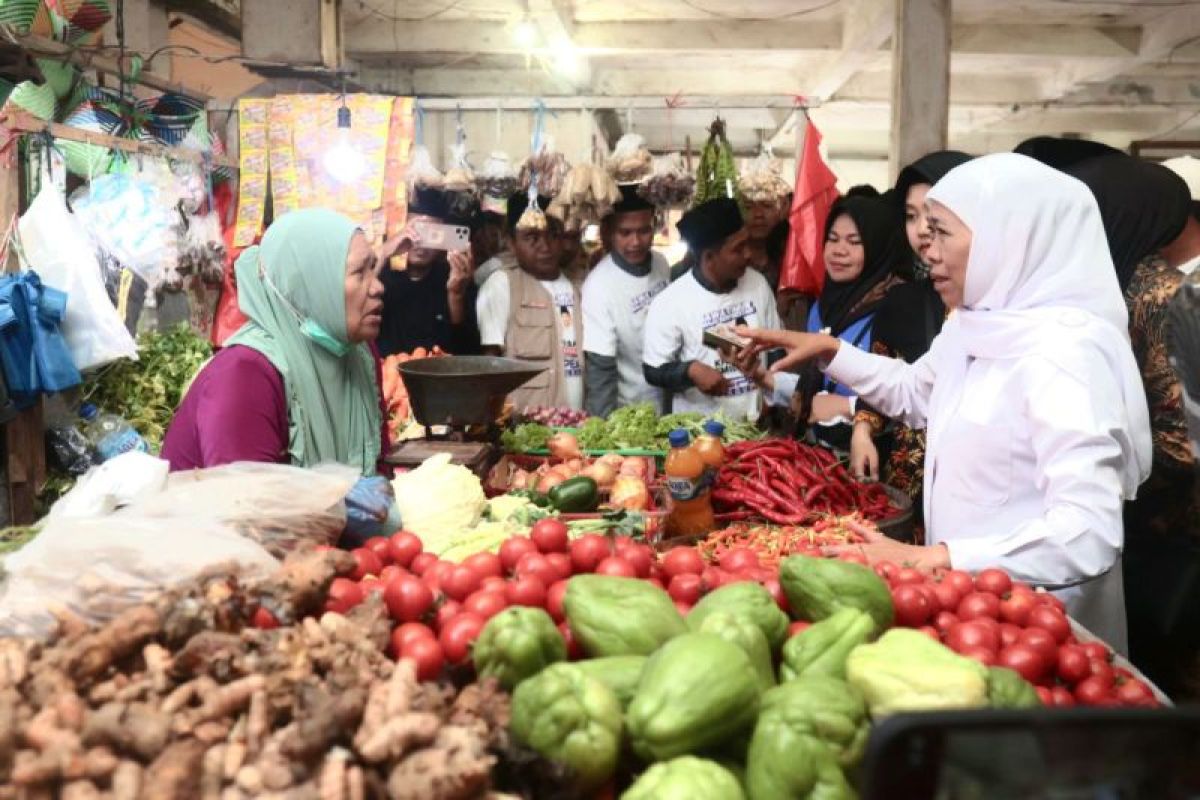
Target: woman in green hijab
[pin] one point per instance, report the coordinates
(298, 383)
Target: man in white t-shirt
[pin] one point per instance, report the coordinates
(1184, 252)
(718, 292)
(616, 298)
(530, 311)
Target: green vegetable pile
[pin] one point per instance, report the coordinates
(694, 707)
(636, 427)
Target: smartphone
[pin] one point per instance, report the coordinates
(1055, 754)
(435, 236)
(723, 339)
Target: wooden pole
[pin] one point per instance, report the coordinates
(920, 80)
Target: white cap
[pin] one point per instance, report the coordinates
(1187, 168)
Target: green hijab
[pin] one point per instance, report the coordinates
(297, 319)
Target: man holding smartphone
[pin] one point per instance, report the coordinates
(431, 302)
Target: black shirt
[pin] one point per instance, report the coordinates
(417, 314)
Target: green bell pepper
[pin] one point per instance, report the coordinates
(516, 644)
(685, 778)
(572, 719)
(824, 647)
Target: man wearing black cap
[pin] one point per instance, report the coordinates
(431, 302)
(719, 292)
(616, 298)
(530, 310)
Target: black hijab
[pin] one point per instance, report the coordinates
(1062, 153)
(929, 169)
(843, 304)
(1144, 206)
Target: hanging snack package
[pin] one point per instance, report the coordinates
(669, 185)
(497, 178)
(421, 171)
(587, 196)
(716, 175)
(762, 181)
(630, 161)
(549, 166)
(460, 176)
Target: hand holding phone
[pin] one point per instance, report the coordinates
(436, 236)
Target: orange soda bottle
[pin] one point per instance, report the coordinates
(691, 505)
(711, 450)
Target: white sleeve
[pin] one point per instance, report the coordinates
(896, 389)
(599, 328)
(1078, 471)
(662, 340)
(491, 308)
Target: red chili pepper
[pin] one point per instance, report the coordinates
(811, 494)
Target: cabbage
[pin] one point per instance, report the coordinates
(438, 501)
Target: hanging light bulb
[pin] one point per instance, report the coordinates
(343, 161)
(525, 34)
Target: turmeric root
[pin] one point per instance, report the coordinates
(134, 728)
(229, 699)
(127, 781)
(398, 735)
(14, 662)
(175, 774)
(93, 653)
(456, 767)
(332, 781)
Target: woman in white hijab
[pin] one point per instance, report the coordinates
(1037, 420)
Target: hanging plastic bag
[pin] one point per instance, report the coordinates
(129, 218)
(497, 178)
(762, 181)
(421, 171)
(54, 244)
(630, 161)
(670, 185)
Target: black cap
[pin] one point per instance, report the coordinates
(518, 202)
(631, 200)
(709, 224)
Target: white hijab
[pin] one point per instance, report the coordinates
(1040, 279)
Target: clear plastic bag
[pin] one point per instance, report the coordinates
(630, 161)
(130, 219)
(460, 175)
(762, 181)
(497, 178)
(670, 185)
(421, 171)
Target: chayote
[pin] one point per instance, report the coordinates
(746, 635)
(516, 644)
(828, 708)
(822, 649)
(685, 778)
(612, 616)
(907, 671)
(817, 587)
(788, 762)
(1007, 689)
(619, 673)
(748, 600)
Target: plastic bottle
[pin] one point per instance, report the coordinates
(711, 450)
(109, 434)
(691, 504)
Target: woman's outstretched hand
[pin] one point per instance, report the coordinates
(798, 347)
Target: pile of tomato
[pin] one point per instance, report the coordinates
(998, 621)
(440, 608)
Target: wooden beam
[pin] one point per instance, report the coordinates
(920, 80)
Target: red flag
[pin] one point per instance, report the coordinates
(803, 268)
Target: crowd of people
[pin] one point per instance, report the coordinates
(992, 338)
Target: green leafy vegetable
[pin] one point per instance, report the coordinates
(635, 427)
(530, 436)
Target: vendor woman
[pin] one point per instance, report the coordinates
(298, 383)
(1038, 427)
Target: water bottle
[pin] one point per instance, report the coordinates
(109, 434)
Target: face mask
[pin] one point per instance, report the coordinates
(309, 328)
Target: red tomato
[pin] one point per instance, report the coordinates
(550, 535)
(407, 599)
(935, 605)
(1136, 693)
(906, 576)
(486, 565)
(619, 543)
(685, 588)
(1052, 621)
(947, 596)
(615, 565)
(1042, 642)
(535, 565)
(437, 573)
(773, 586)
(404, 547)
(366, 563)
(682, 560)
(1016, 607)
(1045, 695)
(561, 562)
(1024, 660)
(460, 582)
(458, 636)
(588, 551)
(1093, 691)
(714, 578)
(526, 590)
(972, 635)
(1047, 599)
(1073, 665)
(513, 549)
(1019, 587)
(912, 606)
(853, 557)
(944, 621)
(574, 651)
(736, 559)
(403, 634)
(428, 657)
(962, 582)
(486, 603)
(446, 611)
(640, 557)
(264, 620)
(1097, 650)
(980, 654)
(993, 580)
(798, 627)
(1062, 697)
(494, 584)
(391, 572)
(886, 570)
(381, 547)
(344, 594)
(1103, 671)
(1009, 634)
(979, 604)
(554, 600)
(683, 608)
(421, 562)
(931, 632)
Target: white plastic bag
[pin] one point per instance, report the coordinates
(630, 161)
(421, 171)
(131, 220)
(54, 245)
(762, 180)
(117, 482)
(497, 178)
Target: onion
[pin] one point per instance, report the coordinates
(549, 481)
(629, 493)
(519, 480)
(563, 471)
(564, 446)
(613, 460)
(634, 467)
(575, 464)
(603, 474)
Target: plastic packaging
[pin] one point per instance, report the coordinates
(421, 171)
(110, 434)
(691, 502)
(497, 178)
(129, 219)
(114, 484)
(630, 161)
(670, 185)
(762, 181)
(70, 450)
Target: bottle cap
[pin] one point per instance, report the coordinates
(714, 428)
(679, 438)
(89, 411)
